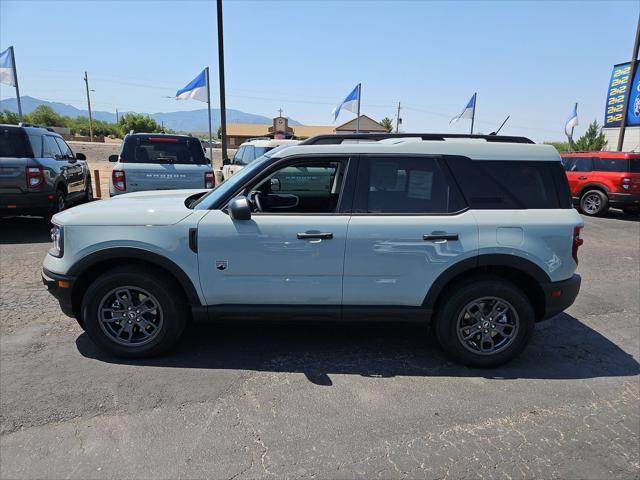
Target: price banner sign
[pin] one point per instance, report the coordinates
(620, 87)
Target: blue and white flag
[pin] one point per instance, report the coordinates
(7, 68)
(468, 111)
(572, 121)
(195, 90)
(350, 103)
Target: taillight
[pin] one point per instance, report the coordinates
(577, 242)
(35, 176)
(119, 180)
(626, 182)
(208, 180)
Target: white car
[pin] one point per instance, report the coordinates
(249, 151)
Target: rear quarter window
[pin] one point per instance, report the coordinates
(507, 185)
(634, 165)
(14, 144)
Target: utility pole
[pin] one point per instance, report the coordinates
(398, 120)
(223, 110)
(86, 82)
(632, 73)
(117, 117)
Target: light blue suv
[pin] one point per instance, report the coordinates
(475, 236)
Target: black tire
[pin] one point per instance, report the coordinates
(88, 194)
(60, 203)
(451, 311)
(171, 316)
(631, 210)
(594, 203)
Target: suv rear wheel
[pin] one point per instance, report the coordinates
(485, 323)
(594, 202)
(130, 314)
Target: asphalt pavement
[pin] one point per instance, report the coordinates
(298, 401)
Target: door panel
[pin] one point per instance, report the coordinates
(387, 261)
(262, 260)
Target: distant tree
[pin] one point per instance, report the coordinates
(387, 123)
(9, 118)
(138, 123)
(560, 146)
(219, 132)
(46, 116)
(592, 140)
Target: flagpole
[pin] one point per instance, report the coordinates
(358, 119)
(473, 115)
(209, 111)
(223, 109)
(15, 77)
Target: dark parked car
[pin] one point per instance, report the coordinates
(39, 173)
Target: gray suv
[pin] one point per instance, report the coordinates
(39, 173)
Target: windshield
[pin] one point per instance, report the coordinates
(231, 184)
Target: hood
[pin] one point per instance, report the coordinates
(157, 207)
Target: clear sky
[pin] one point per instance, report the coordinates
(531, 60)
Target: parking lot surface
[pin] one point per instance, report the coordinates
(274, 401)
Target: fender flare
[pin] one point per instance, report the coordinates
(593, 186)
(133, 253)
(486, 260)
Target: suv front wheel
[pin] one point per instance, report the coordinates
(485, 323)
(134, 315)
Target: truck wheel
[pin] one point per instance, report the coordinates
(88, 194)
(485, 323)
(134, 315)
(594, 203)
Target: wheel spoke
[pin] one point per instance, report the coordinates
(498, 322)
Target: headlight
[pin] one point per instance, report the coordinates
(57, 237)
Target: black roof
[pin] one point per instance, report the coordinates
(338, 138)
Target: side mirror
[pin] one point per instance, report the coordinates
(113, 158)
(239, 208)
(275, 184)
(72, 159)
(81, 156)
(226, 161)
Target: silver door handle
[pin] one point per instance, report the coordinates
(312, 236)
(432, 237)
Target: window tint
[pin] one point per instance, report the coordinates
(405, 185)
(568, 163)
(609, 164)
(248, 155)
(36, 144)
(582, 164)
(13, 144)
(305, 187)
(509, 184)
(50, 148)
(634, 165)
(163, 149)
(238, 156)
(64, 148)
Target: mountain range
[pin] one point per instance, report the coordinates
(182, 121)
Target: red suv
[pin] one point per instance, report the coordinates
(599, 180)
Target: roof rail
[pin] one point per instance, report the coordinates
(33, 125)
(338, 138)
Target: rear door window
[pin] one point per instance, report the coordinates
(14, 144)
(503, 185)
(172, 150)
(609, 164)
(405, 185)
(50, 148)
(36, 145)
(634, 165)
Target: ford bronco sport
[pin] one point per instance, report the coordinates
(476, 236)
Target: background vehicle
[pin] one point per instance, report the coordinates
(150, 161)
(401, 229)
(599, 180)
(39, 173)
(249, 151)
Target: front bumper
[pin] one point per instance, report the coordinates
(60, 286)
(624, 200)
(560, 295)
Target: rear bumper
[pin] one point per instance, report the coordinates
(624, 200)
(60, 286)
(28, 202)
(560, 295)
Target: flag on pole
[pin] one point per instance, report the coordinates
(468, 112)
(195, 90)
(351, 103)
(572, 121)
(7, 68)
